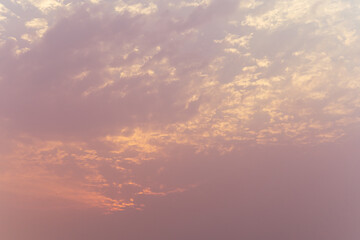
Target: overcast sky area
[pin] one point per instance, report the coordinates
(179, 120)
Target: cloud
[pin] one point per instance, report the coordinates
(100, 98)
(40, 26)
(135, 9)
(3, 11)
(45, 6)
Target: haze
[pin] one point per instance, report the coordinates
(179, 120)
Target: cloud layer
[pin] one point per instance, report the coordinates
(105, 104)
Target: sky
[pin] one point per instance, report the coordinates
(183, 119)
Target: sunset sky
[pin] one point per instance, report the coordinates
(179, 120)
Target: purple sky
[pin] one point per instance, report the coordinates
(174, 120)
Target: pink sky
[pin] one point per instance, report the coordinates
(173, 120)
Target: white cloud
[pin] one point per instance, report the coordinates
(236, 40)
(250, 4)
(46, 5)
(39, 25)
(194, 3)
(136, 9)
(284, 13)
(264, 62)
(3, 11)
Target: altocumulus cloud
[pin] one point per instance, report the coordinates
(98, 99)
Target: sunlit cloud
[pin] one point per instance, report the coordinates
(96, 95)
